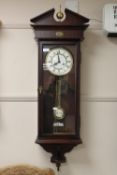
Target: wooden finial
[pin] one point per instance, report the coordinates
(60, 14)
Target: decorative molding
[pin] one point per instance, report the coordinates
(94, 24)
(15, 26)
(18, 99)
(34, 99)
(98, 99)
(26, 26)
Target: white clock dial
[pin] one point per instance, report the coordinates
(59, 61)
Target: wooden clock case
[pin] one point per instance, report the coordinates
(50, 33)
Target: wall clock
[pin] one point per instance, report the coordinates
(59, 81)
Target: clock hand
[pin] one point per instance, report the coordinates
(58, 60)
(55, 63)
(58, 57)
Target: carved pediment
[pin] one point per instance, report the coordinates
(71, 19)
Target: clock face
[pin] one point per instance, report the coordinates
(59, 61)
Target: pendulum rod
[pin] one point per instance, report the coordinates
(58, 92)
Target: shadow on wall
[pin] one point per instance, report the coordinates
(89, 51)
(97, 55)
(113, 40)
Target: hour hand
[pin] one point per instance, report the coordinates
(55, 63)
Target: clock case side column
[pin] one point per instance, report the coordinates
(40, 89)
(78, 67)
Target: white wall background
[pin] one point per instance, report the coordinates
(18, 90)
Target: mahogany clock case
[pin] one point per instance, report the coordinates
(59, 137)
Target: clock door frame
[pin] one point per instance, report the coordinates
(74, 48)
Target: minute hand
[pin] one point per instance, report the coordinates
(58, 58)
